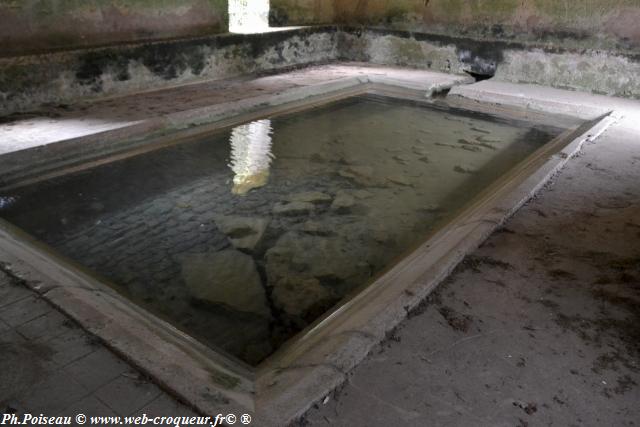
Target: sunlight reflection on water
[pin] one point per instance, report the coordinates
(251, 155)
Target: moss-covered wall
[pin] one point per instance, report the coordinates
(35, 25)
(595, 23)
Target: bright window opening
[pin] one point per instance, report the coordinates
(248, 16)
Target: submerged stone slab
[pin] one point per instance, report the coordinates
(310, 197)
(343, 203)
(363, 175)
(243, 232)
(293, 208)
(336, 259)
(227, 277)
(302, 298)
(400, 180)
(464, 169)
(316, 228)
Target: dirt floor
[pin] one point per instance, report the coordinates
(540, 326)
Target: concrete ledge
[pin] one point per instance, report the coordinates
(538, 98)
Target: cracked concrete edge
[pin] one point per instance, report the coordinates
(319, 359)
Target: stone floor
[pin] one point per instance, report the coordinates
(537, 327)
(49, 365)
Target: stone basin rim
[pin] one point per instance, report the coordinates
(286, 384)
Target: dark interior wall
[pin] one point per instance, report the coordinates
(308, 12)
(385, 12)
(39, 25)
(301, 12)
(583, 23)
(607, 23)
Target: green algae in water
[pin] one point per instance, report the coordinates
(243, 237)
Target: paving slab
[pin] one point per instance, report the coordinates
(90, 406)
(126, 395)
(24, 310)
(43, 328)
(48, 365)
(580, 104)
(97, 369)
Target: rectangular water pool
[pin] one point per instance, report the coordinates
(244, 236)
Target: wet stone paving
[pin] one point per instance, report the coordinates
(243, 237)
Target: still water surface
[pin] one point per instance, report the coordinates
(243, 237)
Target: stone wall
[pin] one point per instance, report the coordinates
(59, 77)
(597, 71)
(605, 24)
(43, 25)
(29, 81)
